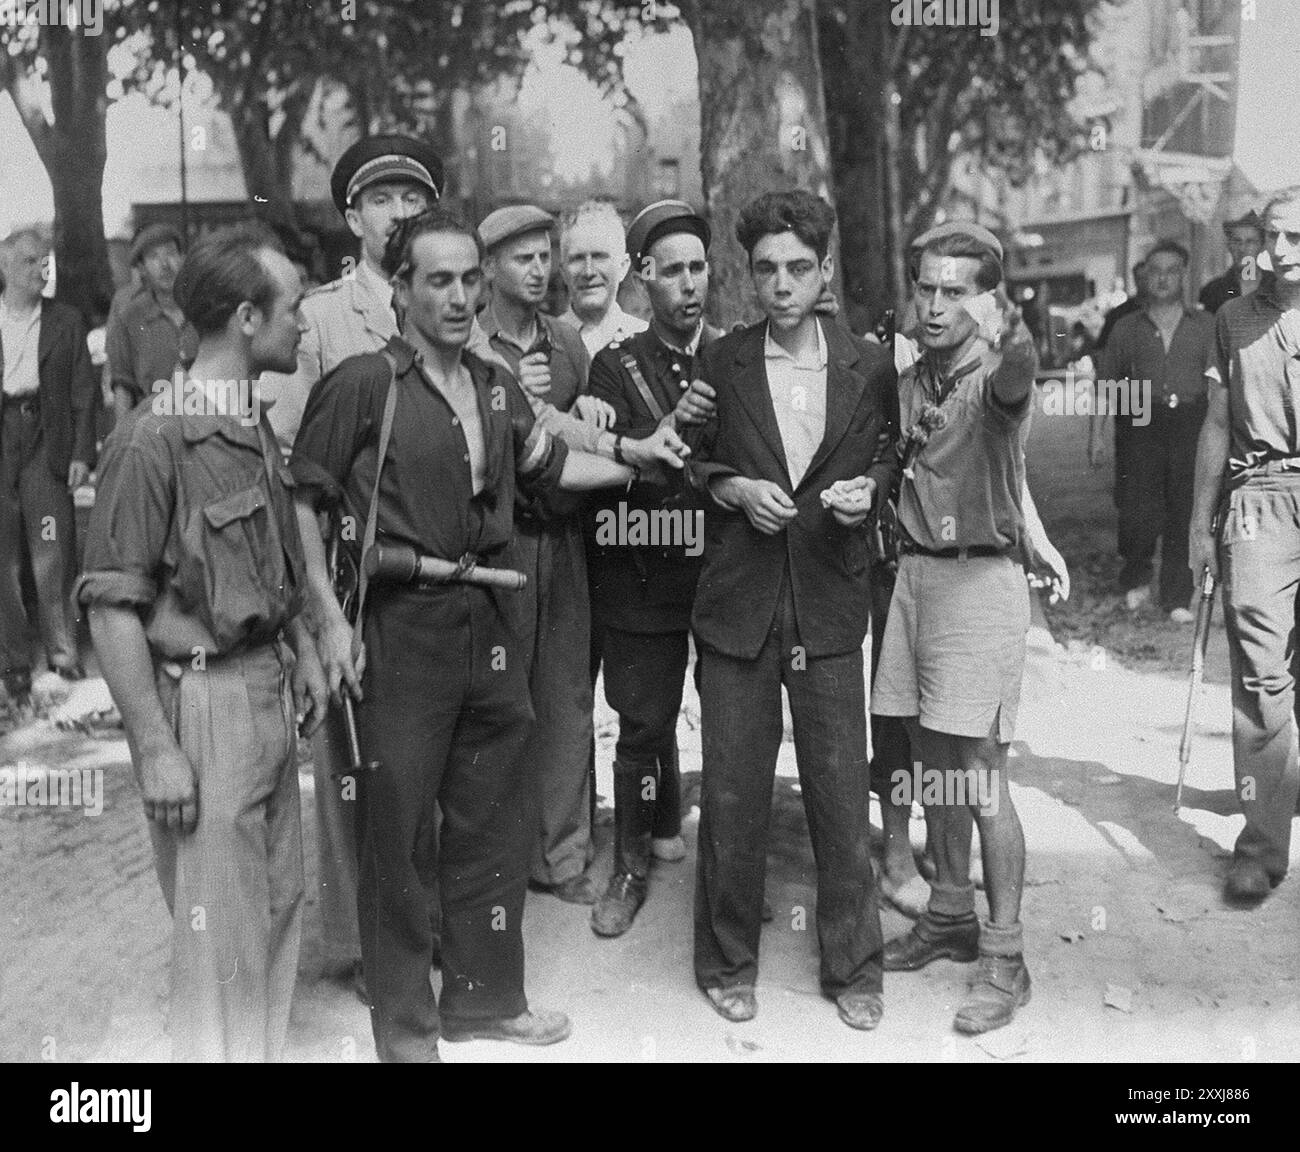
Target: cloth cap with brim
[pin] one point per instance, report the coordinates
(513, 220)
(150, 237)
(1251, 219)
(388, 157)
(965, 228)
(663, 218)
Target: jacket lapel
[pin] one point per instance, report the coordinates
(49, 334)
(755, 394)
(844, 385)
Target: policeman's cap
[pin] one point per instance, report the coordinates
(387, 157)
(660, 219)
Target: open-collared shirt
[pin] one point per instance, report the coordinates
(616, 324)
(20, 337)
(1135, 351)
(798, 389)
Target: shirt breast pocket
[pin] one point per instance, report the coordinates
(223, 571)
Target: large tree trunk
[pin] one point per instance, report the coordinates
(73, 150)
(267, 160)
(858, 48)
(762, 124)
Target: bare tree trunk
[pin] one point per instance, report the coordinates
(266, 160)
(762, 121)
(73, 150)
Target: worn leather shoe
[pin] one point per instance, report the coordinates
(1247, 882)
(534, 1028)
(929, 940)
(998, 989)
(737, 1003)
(575, 890)
(861, 1010)
(617, 908)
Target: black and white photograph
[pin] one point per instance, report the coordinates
(628, 532)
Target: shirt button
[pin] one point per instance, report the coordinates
(466, 457)
(455, 421)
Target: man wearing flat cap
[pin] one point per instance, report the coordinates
(147, 337)
(642, 594)
(549, 361)
(1245, 239)
(377, 182)
(954, 644)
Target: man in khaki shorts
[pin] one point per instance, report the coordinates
(954, 645)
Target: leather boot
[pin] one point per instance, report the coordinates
(626, 892)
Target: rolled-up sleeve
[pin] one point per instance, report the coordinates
(128, 527)
(539, 455)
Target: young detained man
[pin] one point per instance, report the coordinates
(800, 443)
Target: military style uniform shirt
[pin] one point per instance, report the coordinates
(1257, 357)
(1136, 351)
(966, 483)
(426, 496)
(644, 588)
(144, 345)
(194, 526)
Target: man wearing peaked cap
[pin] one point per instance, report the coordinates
(378, 181)
(662, 218)
(512, 221)
(642, 595)
(1245, 239)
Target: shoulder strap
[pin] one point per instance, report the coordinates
(372, 517)
(634, 370)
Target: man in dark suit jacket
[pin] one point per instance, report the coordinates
(801, 442)
(47, 448)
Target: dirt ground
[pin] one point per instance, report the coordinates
(1133, 955)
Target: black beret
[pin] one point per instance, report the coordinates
(387, 157)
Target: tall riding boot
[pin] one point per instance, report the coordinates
(626, 892)
(667, 843)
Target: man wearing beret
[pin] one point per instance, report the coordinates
(801, 442)
(548, 359)
(377, 182)
(954, 644)
(642, 593)
(148, 338)
(1245, 238)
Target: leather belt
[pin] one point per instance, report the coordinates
(28, 402)
(911, 547)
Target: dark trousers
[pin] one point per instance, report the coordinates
(1260, 563)
(644, 675)
(35, 509)
(1155, 468)
(446, 713)
(742, 728)
(891, 750)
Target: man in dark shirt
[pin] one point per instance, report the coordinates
(954, 648)
(1245, 237)
(1248, 470)
(148, 338)
(194, 576)
(1122, 309)
(642, 590)
(1158, 358)
(445, 709)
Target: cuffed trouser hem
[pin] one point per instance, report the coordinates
(1002, 940)
(954, 901)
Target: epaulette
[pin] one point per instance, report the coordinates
(321, 289)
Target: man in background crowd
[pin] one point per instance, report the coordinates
(1160, 353)
(148, 338)
(594, 261)
(47, 449)
(1245, 239)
